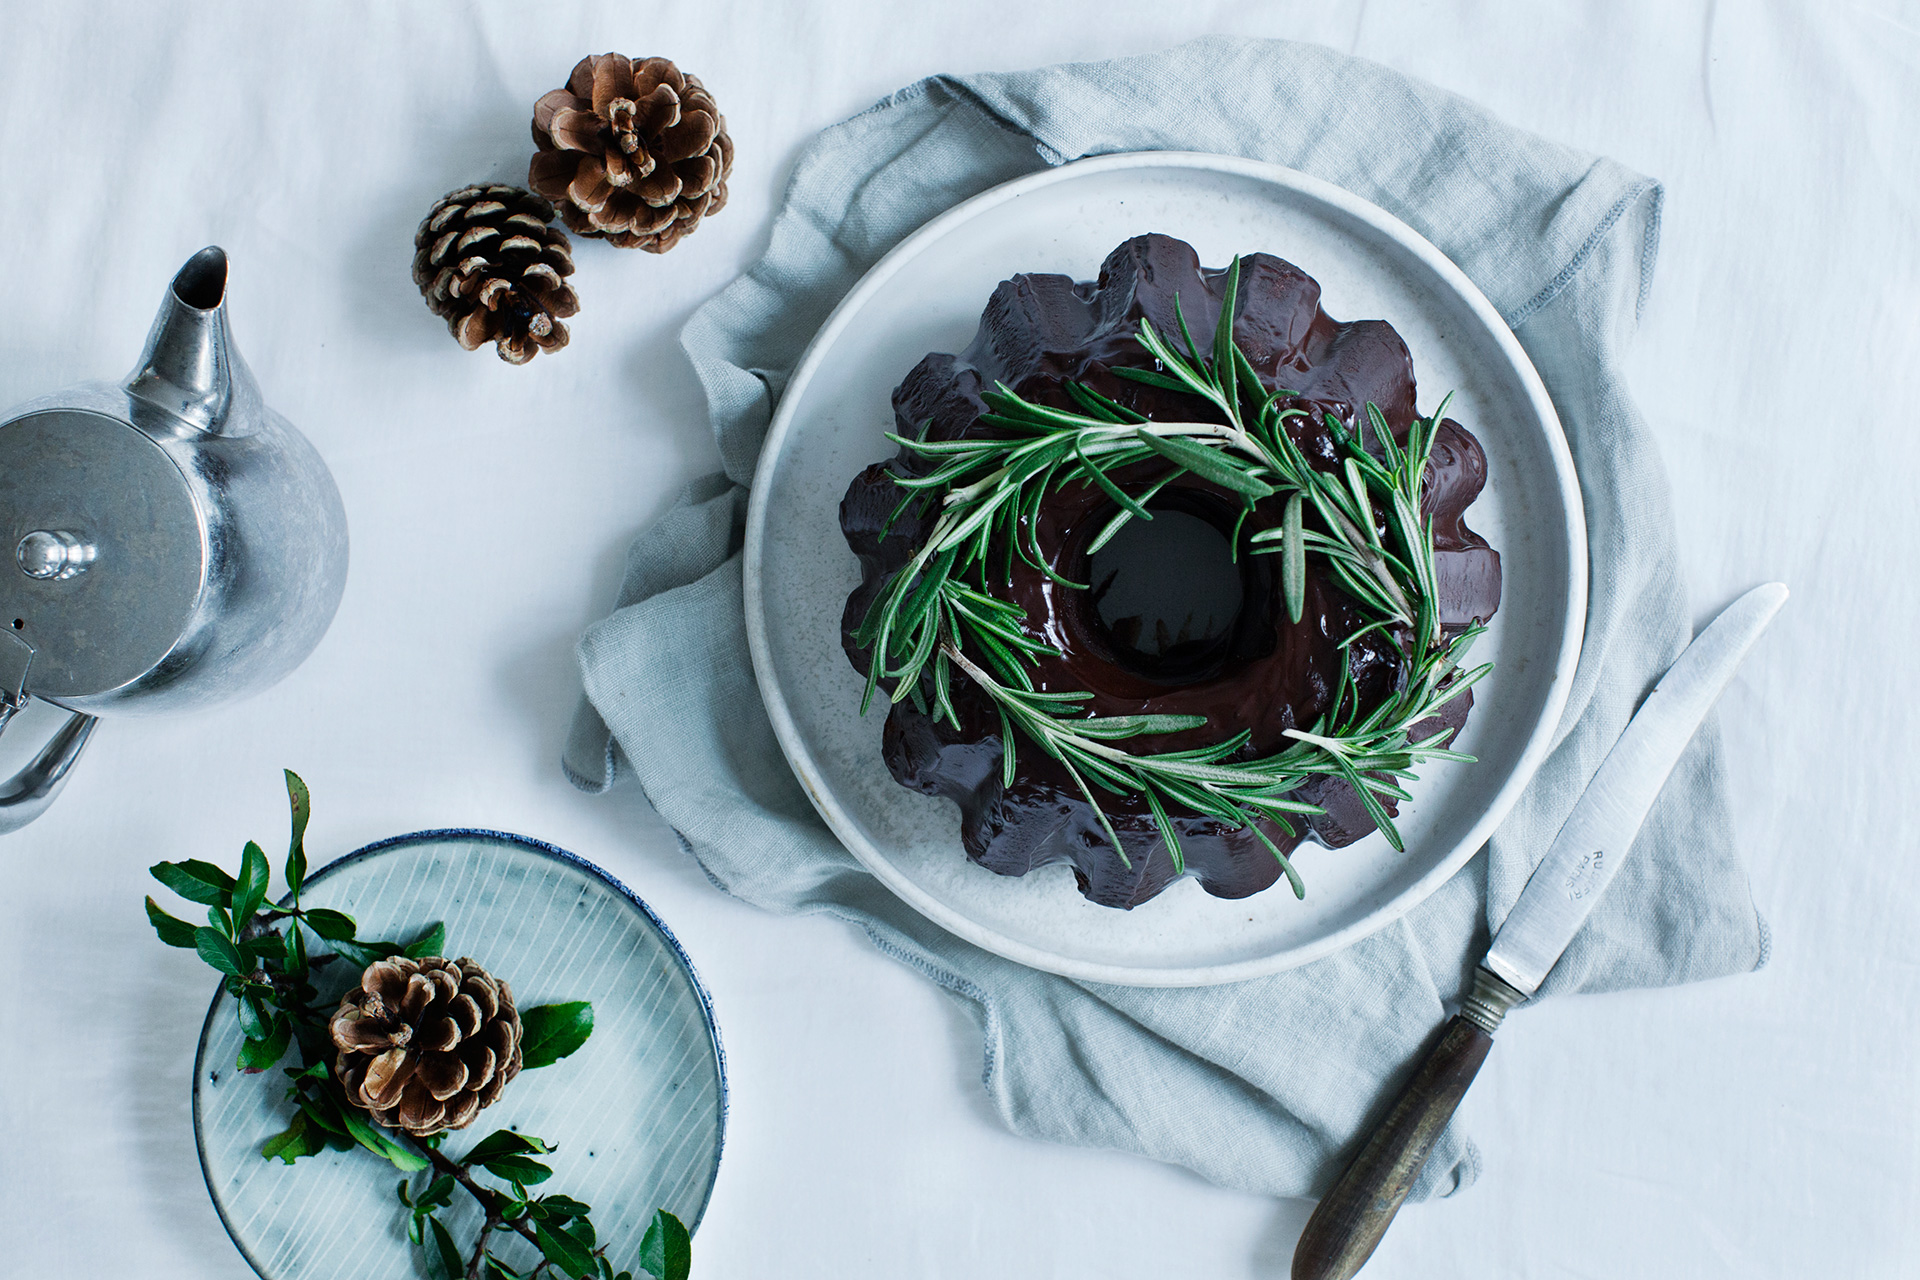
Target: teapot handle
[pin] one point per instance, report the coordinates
(26, 795)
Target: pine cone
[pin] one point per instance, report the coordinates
(488, 262)
(424, 1044)
(635, 152)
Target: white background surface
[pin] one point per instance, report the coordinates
(1760, 1126)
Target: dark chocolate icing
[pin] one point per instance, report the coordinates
(1263, 673)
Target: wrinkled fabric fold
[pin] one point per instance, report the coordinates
(1260, 1085)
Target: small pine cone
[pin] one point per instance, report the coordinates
(489, 262)
(635, 152)
(424, 1044)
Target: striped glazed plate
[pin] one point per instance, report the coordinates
(638, 1113)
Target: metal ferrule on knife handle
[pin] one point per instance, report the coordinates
(1486, 1006)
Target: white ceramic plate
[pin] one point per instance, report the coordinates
(927, 295)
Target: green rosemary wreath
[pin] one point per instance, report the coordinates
(939, 612)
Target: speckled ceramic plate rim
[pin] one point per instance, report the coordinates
(812, 777)
(548, 850)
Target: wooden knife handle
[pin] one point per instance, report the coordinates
(1351, 1218)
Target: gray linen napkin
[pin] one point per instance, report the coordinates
(1260, 1085)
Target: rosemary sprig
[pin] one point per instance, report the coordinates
(939, 612)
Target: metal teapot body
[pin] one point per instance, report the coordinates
(166, 542)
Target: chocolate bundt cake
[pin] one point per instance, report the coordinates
(1260, 673)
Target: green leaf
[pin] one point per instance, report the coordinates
(1175, 853)
(294, 1141)
(666, 1251)
(327, 1118)
(255, 1022)
(175, 933)
(1208, 464)
(550, 1032)
(1193, 351)
(518, 1169)
(566, 1206)
(1152, 379)
(1383, 435)
(431, 943)
(1223, 345)
(363, 954)
(252, 889)
(438, 1192)
(1134, 726)
(258, 1055)
(1107, 486)
(564, 1251)
(373, 1140)
(504, 1142)
(302, 806)
(196, 881)
(449, 1257)
(334, 926)
(295, 959)
(1293, 559)
(1286, 864)
(1099, 406)
(218, 950)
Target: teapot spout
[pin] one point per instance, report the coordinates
(190, 370)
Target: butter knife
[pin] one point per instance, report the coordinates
(1349, 1221)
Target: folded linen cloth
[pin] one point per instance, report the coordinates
(1260, 1085)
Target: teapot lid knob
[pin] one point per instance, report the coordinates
(110, 554)
(54, 553)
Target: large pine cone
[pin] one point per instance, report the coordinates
(489, 262)
(635, 152)
(424, 1044)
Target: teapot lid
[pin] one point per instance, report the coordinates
(103, 554)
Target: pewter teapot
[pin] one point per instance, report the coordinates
(173, 542)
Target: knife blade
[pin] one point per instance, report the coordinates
(1581, 862)
(1593, 842)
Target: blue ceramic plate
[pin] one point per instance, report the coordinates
(638, 1113)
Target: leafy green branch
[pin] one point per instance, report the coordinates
(559, 1227)
(268, 965)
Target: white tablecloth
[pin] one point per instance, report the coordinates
(1759, 1126)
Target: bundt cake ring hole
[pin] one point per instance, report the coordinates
(1168, 595)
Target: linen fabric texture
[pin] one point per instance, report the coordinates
(1262, 1085)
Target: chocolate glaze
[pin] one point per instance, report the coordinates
(1264, 674)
